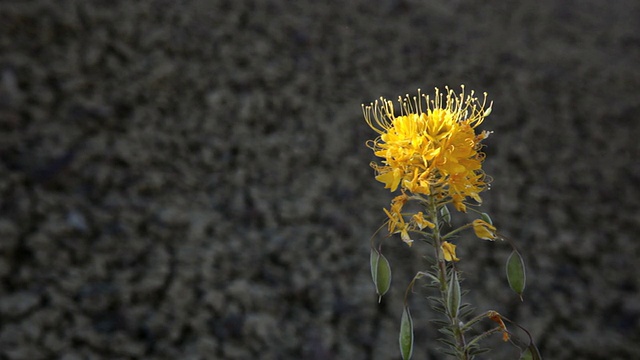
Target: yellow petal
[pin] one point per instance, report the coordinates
(398, 202)
(421, 222)
(459, 205)
(390, 179)
(484, 230)
(392, 222)
(404, 235)
(449, 251)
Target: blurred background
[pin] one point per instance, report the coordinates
(189, 180)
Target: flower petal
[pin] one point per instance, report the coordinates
(484, 230)
(449, 251)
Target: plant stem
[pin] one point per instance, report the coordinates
(437, 242)
(456, 327)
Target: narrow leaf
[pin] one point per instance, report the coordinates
(406, 334)
(453, 295)
(383, 276)
(516, 273)
(478, 351)
(531, 353)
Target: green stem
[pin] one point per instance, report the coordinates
(453, 232)
(437, 244)
(461, 346)
(484, 335)
(473, 321)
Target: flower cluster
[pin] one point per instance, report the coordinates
(431, 148)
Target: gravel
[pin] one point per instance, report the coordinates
(189, 180)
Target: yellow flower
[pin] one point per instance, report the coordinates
(396, 221)
(431, 148)
(484, 230)
(404, 235)
(449, 251)
(421, 222)
(398, 202)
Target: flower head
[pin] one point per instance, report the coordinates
(431, 148)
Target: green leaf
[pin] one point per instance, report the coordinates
(477, 351)
(486, 218)
(465, 310)
(381, 275)
(406, 334)
(446, 215)
(374, 264)
(453, 295)
(531, 353)
(516, 273)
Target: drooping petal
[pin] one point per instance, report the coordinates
(390, 179)
(421, 222)
(484, 230)
(404, 235)
(449, 251)
(496, 317)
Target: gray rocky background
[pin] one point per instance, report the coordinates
(188, 179)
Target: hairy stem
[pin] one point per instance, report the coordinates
(456, 324)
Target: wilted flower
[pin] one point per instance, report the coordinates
(495, 316)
